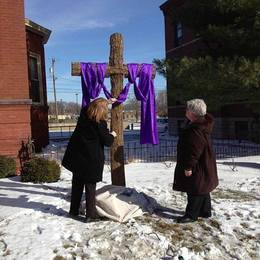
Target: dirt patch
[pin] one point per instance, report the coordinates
(233, 195)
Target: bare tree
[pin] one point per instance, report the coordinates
(161, 103)
(133, 104)
(70, 108)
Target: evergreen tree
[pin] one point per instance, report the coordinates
(228, 68)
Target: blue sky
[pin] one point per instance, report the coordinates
(81, 31)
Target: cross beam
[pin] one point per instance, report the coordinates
(116, 70)
(75, 70)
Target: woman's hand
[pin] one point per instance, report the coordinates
(112, 100)
(188, 173)
(113, 133)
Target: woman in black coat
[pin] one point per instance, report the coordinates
(84, 155)
(196, 171)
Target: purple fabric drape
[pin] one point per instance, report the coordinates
(145, 93)
(132, 75)
(92, 80)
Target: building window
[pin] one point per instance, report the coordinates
(36, 91)
(178, 35)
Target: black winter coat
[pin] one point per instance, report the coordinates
(84, 155)
(195, 152)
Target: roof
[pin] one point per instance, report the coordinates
(38, 29)
(171, 3)
(164, 5)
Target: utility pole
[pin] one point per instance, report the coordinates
(77, 102)
(54, 88)
(61, 107)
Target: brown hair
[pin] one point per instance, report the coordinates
(97, 109)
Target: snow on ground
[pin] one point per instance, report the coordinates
(34, 222)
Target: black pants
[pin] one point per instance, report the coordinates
(76, 195)
(198, 206)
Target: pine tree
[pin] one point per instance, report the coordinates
(228, 68)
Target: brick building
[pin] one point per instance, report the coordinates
(23, 111)
(232, 121)
(36, 37)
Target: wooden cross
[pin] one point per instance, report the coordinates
(116, 70)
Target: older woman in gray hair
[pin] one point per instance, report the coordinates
(196, 171)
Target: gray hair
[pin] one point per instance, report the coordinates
(197, 106)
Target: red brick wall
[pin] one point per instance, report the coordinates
(13, 63)
(14, 127)
(189, 47)
(40, 128)
(14, 92)
(168, 23)
(237, 110)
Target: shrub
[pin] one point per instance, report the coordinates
(38, 170)
(7, 166)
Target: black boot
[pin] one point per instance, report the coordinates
(185, 219)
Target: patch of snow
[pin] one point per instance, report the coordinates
(34, 222)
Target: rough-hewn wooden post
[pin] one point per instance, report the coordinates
(117, 80)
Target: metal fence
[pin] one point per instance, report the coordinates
(61, 132)
(166, 150)
(135, 152)
(235, 148)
